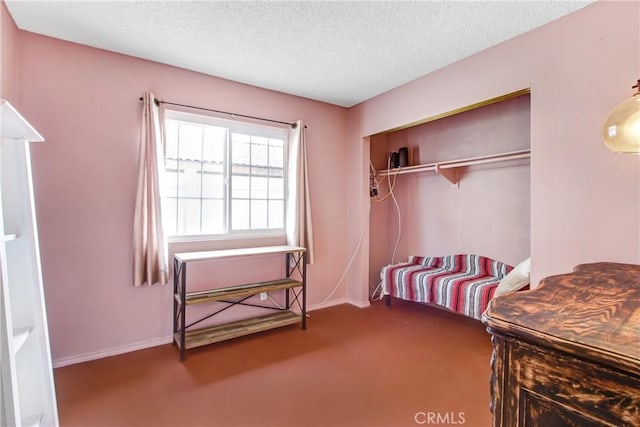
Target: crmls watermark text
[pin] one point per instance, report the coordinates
(439, 418)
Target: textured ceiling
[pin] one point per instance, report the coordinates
(337, 52)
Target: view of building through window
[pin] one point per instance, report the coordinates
(222, 177)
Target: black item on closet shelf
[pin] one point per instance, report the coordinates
(403, 157)
(394, 162)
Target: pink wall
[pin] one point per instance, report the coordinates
(487, 213)
(85, 102)
(584, 199)
(8, 56)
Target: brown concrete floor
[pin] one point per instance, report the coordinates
(351, 367)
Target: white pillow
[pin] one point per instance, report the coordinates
(517, 278)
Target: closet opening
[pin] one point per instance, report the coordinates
(458, 183)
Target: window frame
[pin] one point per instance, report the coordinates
(233, 126)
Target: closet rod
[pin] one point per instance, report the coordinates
(158, 102)
(452, 164)
(491, 158)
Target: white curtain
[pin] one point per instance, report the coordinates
(149, 243)
(299, 227)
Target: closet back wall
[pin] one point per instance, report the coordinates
(487, 215)
(85, 103)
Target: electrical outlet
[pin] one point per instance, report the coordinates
(263, 296)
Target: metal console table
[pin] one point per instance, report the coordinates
(185, 336)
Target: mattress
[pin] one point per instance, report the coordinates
(463, 283)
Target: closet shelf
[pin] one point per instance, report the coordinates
(447, 169)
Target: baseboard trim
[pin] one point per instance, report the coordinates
(113, 351)
(359, 304)
(327, 304)
(141, 345)
(339, 301)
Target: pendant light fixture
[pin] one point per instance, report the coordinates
(621, 131)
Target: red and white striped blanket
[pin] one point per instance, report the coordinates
(462, 283)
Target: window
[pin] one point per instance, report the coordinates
(223, 177)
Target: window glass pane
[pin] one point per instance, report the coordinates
(213, 147)
(276, 214)
(212, 181)
(240, 214)
(240, 150)
(276, 188)
(258, 188)
(171, 148)
(197, 177)
(276, 172)
(190, 145)
(240, 187)
(241, 153)
(276, 155)
(276, 142)
(259, 151)
(169, 215)
(261, 171)
(240, 169)
(171, 178)
(188, 216)
(190, 180)
(180, 179)
(258, 214)
(240, 137)
(212, 216)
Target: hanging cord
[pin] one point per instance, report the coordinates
(377, 198)
(346, 269)
(353, 256)
(365, 226)
(399, 216)
(393, 197)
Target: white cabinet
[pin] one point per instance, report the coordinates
(28, 393)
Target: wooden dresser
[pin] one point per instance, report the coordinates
(568, 352)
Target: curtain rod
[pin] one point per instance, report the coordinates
(158, 102)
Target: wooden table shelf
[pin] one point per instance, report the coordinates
(221, 294)
(295, 291)
(217, 333)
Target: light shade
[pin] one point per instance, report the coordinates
(621, 131)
